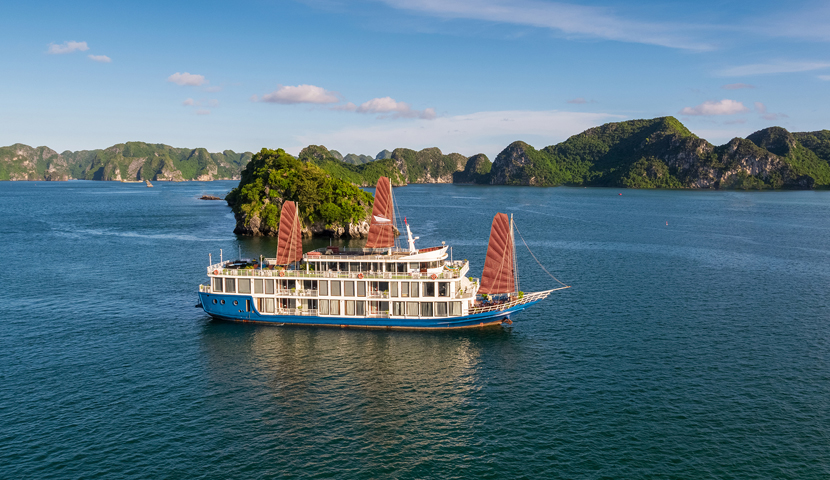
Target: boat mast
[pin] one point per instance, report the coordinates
(515, 264)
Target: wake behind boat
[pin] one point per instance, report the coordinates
(379, 286)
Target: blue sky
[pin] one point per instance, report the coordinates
(466, 76)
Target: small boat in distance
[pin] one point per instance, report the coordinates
(149, 185)
(378, 286)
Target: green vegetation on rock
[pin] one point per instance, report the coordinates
(326, 203)
(125, 161)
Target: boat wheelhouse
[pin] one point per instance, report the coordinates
(379, 286)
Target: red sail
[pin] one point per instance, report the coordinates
(290, 243)
(380, 229)
(497, 276)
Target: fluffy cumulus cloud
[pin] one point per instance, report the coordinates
(388, 106)
(189, 79)
(723, 107)
(67, 47)
(737, 86)
(288, 95)
(100, 58)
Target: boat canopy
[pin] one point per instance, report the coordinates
(381, 234)
(290, 242)
(498, 275)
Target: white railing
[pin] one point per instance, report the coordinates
(221, 269)
(527, 298)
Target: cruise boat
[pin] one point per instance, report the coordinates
(378, 286)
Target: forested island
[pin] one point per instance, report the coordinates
(131, 161)
(653, 153)
(327, 205)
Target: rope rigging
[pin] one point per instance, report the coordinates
(537, 260)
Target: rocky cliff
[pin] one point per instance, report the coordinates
(125, 161)
(662, 153)
(328, 206)
(22, 162)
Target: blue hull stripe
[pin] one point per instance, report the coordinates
(237, 313)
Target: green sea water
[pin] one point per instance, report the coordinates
(692, 344)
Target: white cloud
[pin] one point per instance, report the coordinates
(570, 19)
(723, 107)
(187, 79)
(737, 86)
(189, 102)
(766, 115)
(772, 68)
(100, 58)
(288, 95)
(67, 47)
(487, 132)
(202, 112)
(389, 106)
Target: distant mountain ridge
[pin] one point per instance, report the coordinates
(124, 161)
(650, 153)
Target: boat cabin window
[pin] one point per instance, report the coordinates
(364, 267)
(413, 289)
(334, 307)
(412, 309)
(324, 307)
(217, 284)
(348, 289)
(404, 289)
(324, 287)
(400, 267)
(414, 266)
(426, 309)
(258, 285)
(361, 289)
(332, 266)
(443, 289)
(342, 266)
(377, 267)
(455, 308)
(269, 305)
(349, 307)
(360, 308)
(429, 289)
(230, 285)
(309, 284)
(393, 289)
(440, 309)
(244, 285)
(397, 308)
(335, 288)
(269, 287)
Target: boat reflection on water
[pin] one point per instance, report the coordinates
(348, 389)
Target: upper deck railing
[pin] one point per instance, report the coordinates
(221, 269)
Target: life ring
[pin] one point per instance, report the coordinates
(359, 275)
(433, 276)
(216, 272)
(282, 273)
